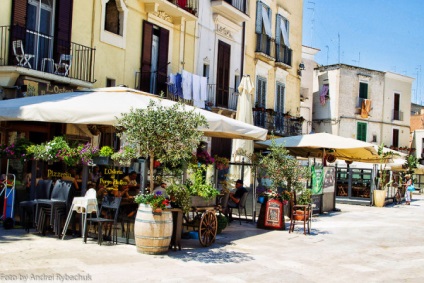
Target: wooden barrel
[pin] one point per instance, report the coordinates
(152, 232)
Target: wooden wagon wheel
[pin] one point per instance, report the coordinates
(207, 228)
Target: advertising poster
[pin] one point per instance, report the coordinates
(317, 179)
(329, 177)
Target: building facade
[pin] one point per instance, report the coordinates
(363, 104)
(273, 58)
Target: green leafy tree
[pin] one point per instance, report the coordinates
(283, 169)
(166, 134)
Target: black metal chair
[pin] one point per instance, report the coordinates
(241, 206)
(108, 214)
(60, 201)
(27, 208)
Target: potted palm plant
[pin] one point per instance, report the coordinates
(382, 181)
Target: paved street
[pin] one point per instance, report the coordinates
(357, 244)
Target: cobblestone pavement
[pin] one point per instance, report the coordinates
(357, 244)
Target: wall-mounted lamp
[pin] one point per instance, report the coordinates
(301, 68)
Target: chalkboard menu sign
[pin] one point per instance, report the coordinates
(273, 214)
(317, 200)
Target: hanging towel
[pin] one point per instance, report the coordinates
(323, 94)
(178, 85)
(365, 108)
(171, 84)
(187, 85)
(197, 99)
(203, 88)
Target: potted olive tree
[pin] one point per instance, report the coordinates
(284, 171)
(168, 135)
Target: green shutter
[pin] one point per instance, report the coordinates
(361, 133)
(258, 27)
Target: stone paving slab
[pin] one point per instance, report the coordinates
(357, 244)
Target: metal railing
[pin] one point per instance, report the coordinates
(397, 115)
(264, 44)
(47, 48)
(190, 6)
(276, 122)
(283, 54)
(225, 97)
(238, 4)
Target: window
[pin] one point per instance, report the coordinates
(361, 131)
(374, 138)
(112, 17)
(110, 82)
(261, 93)
(363, 90)
(279, 98)
(206, 71)
(114, 21)
(396, 107)
(395, 141)
(282, 31)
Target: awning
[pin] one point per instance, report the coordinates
(284, 32)
(103, 106)
(266, 21)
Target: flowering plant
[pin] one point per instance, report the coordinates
(106, 151)
(124, 156)
(15, 150)
(49, 151)
(86, 152)
(204, 157)
(221, 162)
(284, 197)
(154, 200)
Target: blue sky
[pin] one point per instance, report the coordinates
(383, 35)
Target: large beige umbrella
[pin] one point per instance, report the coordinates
(104, 105)
(244, 114)
(321, 144)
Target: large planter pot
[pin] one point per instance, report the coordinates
(299, 215)
(199, 201)
(379, 197)
(152, 231)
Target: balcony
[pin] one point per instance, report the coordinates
(223, 98)
(277, 123)
(46, 50)
(175, 8)
(234, 10)
(397, 115)
(264, 47)
(283, 56)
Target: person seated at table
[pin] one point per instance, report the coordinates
(73, 177)
(131, 180)
(236, 196)
(94, 176)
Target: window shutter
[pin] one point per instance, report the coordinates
(259, 17)
(163, 60)
(63, 26)
(278, 20)
(361, 133)
(146, 56)
(19, 12)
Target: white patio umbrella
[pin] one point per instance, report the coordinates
(102, 106)
(320, 144)
(244, 114)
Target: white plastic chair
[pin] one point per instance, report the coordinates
(65, 62)
(83, 205)
(21, 57)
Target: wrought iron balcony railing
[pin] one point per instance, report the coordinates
(190, 6)
(238, 4)
(225, 97)
(276, 122)
(283, 54)
(47, 51)
(397, 115)
(264, 44)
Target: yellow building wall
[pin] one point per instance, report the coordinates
(5, 12)
(121, 64)
(294, 9)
